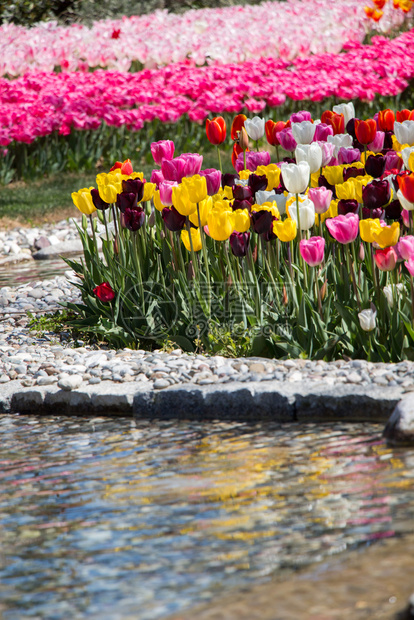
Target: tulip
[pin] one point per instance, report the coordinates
(263, 196)
(195, 242)
(404, 132)
(253, 161)
(213, 180)
(343, 228)
(306, 213)
(257, 183)
(109, 185)
(376, 194)
(261, 221)
(406, 185)
(367, 319)
(365, 131)
(387, 236)
(386, 120)
(385, 259)
(104, 292)
(82, 199)
(204, 208)
(321, 198)
(352, 173)
(393, 211)
(328, 150)
(311, 153)
(242, 192)
(165, 189)
(255, 127)
(241, 220)
(162, 150)
(239, 243)
(367, 228)
(196, 186)
(406, 204)
(235, 153)
(312, 250)
(216, 130)
(408, 158)
(98, 202)
(410, 266)
(157, 177)
(174, 169)
(181, 200)
(135, 186)
(347, 109)
(271, 129)
(286, 139)
(378, 142)
(272, 173)
(406, 247)
(337, 122)
(303, 132)
(390, 291)
(193, 163)
(237, 124)
(220, 224)
(339, 141)
(299, 117)
(281, 203)
(295, 176)
(404, 115)
(375, 165)
(173, 220)
(347, 206)
(243, 140)
(133, 219)
(126, 200)
(322, 131)
(228, 179)
(348, 155)
(286, 230)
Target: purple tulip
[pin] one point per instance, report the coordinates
(348, 155)
(242, 192)
(299, 117)
(322, 132)
(350, 173)
(257, 183)
(286, 139)
(126, 200)
(376, 194)
(133, 219)
(99, 204)
(241, 204)
(375, 165)
(347, 206)
(164, 149)
(388, 139)
(372, 213)
(213, 180)
(253, 160)
(350, 127)
(239, 243)
(393, 161)
(173, 220)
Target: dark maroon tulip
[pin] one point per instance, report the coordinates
(228, 179)
(135, 186)
(376, 194)
(133, 219)
(350, 127)
(347, 206)
(375, 165)
(352, 173)
(173, 220)
(213, 180)
(374, 213)
(239, 243)
(241, 192)
(242, 204)
(289, 160)
(393, 211)
(261, 221)
(388, 139)
(323, 182)
(270, 235)
(257, 183)
(99, 204)
(126, 200)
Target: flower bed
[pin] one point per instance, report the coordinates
(229, 35)
(311, 256)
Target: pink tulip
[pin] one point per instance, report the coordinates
(385, 259)
(405, 214)
(378, 143)
(157, 177)
(321, 198)
(344, 228)
(312, 250)
(253, 160)
(327, 152)
(213, 180)
(164, 149)
(406, 247)
(410, 266)
(193, 163)
(286, 139)
(322, 132)
(166, 192)
(174, 169)
(348, 155)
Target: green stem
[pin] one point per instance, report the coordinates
(219, 159)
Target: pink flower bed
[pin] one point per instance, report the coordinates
(233, 34)
(38, 104)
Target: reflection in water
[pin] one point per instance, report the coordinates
(29, 271)
(106, 518)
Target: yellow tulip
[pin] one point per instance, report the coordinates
(82, 199)
(244, 175)
(195, 238)
(286, 230)
(272, 173)
(367, 228)
(333, 174)
(411, 162)
(181, 200)
(149, 190)
(196, 186)
(241, 220)
(227, 193)
(346, 191)
(220, 223)
(110, 185)
(204, 207)
(157, 201)
(134, 175)
(397, 146)
(269, 206)
(387, 235)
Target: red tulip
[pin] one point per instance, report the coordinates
(406, 185)
(272, 129)
(365, 130)
(125, 167)
(216, 130)
(237, 124)
(386, 119)
(386, 259)
(326, 117)
(405, 115)
(104, 292)
(338, 123)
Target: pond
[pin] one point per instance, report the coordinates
(104, 518)
(28, 271)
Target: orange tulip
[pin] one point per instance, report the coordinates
(365, 131)
(386, 119)
(405, 115)
(216, 130)
(406, 185)
(326, 117)
(338, 123)
(272, 129)
(237, 124)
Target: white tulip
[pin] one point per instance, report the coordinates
(263, 196)
(255, 127)
(367, 319)
(312, 153)
(406, 155)
(398, 288)
(281, 203)
(242, 182)
(303, 132)
(306, 213)
(340, 140)
(406, 204)
(404, 132)
(295, 176)
(347, 109)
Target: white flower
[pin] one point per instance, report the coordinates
(406, 204)
(242, 182)
(404, 132)
(255, 127)
(303, 132)
(281, 203)
(367, 319)
(347, 109)
(406, 156)
(340, 140)
(312, 153)
(263, 196)
(306, 213)
(398, 288)
(295, 176)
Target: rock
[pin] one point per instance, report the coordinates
(257, 367)
(63, 248)
(72, 382)
(400, 427)
(161, 383)
(41, 242)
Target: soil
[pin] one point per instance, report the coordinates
(8, 223)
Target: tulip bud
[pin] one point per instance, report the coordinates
(324, 288)
(84, 222)
(285, 297)
(116, 246)
(190, 271)
(361, 253)
(243, 139)
(151, 219)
